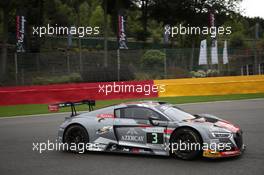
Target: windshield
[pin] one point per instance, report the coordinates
(175, 113)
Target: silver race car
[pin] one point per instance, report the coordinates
(149, 127)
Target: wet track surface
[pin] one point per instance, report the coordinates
(18, 134)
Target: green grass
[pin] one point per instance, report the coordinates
(7, 111)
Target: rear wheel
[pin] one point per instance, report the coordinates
(76, 136)
(186, 144)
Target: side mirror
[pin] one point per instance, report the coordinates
(154, 120)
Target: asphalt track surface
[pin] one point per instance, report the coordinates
(17, 157)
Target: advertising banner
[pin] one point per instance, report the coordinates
(122, 40)
(225, 54)
(203, 53)
(20, 33)
(214, 52)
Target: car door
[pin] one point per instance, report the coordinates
(133, 128)
(103, 126)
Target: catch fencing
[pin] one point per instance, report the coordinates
(94, 66)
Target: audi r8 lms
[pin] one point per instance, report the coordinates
(153, 128)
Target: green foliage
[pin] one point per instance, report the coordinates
(198, 74)
(237, 40)
(177, 72)
(151, 16)
(152, 65)
(202, 73)
(142, 76)
(236, 25)
(85, 13)
(1, 22)
(72, 78)
(56, 12)
(156, 31)
(261, 43)
(97, 17)
(153, 59)
(133, 24)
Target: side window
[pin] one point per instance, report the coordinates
(136, 113)
(117, 113)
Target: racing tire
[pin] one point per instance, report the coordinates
(186, 136)
(78, 136)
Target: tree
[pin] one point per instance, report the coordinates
(153, 59)
(144, 18)
(97, 17)
(113, 9)
(7, 7)
(191, 11)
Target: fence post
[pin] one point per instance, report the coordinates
(165, 64)
(38, 64)
(118, 64)
(255, 66)
(68, 62)
(80, 55)
(16, 68)
(23, 76)
(192, 57)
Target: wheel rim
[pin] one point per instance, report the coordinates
(187, 139)
(75, 136)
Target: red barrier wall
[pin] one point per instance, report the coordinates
(48, 94)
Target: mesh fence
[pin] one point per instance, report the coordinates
(63, 67)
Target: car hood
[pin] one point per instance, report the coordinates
(213, 122)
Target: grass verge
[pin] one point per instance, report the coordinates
(16, 110)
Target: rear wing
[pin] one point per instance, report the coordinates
(56, 107)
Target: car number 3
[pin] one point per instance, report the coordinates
(155, 138)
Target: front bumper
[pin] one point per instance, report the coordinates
(237, 147)
(222, 154)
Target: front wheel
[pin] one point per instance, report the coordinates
(76, 137)
(186, 144)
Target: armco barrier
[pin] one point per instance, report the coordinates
(212, 86)
(47, 94)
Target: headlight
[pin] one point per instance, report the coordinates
(221, 134)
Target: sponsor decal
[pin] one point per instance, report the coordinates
(126, 149)
(133, 138)
(155, 135)
(155, 138)
(155, 129)
(230, 153)
(135, 150)
(53, 108)
(211, 154)
(132, 131)
(168, 131)
(105, 116)
(113, 148)
(216, 154)
(104, 130)
(132, 135)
